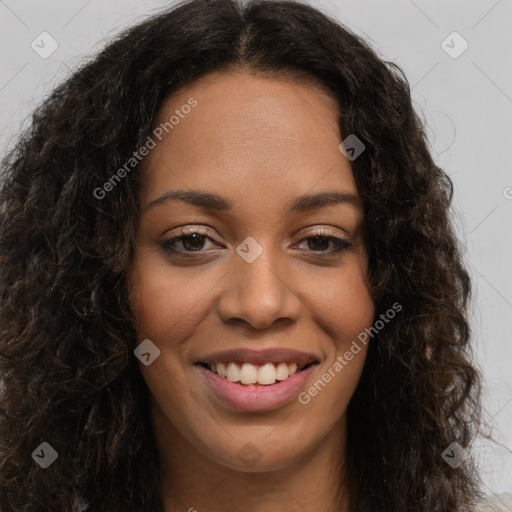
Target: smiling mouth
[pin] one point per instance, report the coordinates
(247, 373)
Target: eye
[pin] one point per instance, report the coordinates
(193, 241)
(319, 243)
(190, 240)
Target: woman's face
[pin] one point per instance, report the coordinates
(255, 278)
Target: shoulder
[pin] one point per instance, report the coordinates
(496, 503)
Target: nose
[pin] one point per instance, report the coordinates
(259, 293)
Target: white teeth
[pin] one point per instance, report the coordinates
(282, 371)
(221, 369)
(248, 373)
(232, 372)
(292, 368)
(267, 374)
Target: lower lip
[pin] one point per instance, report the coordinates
(256, 397)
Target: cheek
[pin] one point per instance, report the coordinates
(344, 306)
(168, 304)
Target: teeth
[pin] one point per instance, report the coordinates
(267, 374)
(282, 371)
(248, 373)
(221, 369)
(232, 372)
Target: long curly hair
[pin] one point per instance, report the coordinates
(67, 332)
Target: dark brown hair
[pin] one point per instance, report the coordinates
(66, 329)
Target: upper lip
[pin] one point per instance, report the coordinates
(255, 356)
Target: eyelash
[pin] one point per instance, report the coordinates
(340, 244)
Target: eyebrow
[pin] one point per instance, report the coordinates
(218, 203)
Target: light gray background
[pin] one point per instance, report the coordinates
(467, 102)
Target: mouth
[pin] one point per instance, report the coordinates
(241, 388)
(266, 374)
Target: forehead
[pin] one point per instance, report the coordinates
(249, 135)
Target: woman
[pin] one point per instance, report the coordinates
(230, 280)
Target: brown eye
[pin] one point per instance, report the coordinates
(319, 244)
(189, 242)
(192, 242)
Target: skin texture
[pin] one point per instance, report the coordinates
(259, 142)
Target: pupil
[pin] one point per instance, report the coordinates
(197, 242)
(314, 239)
